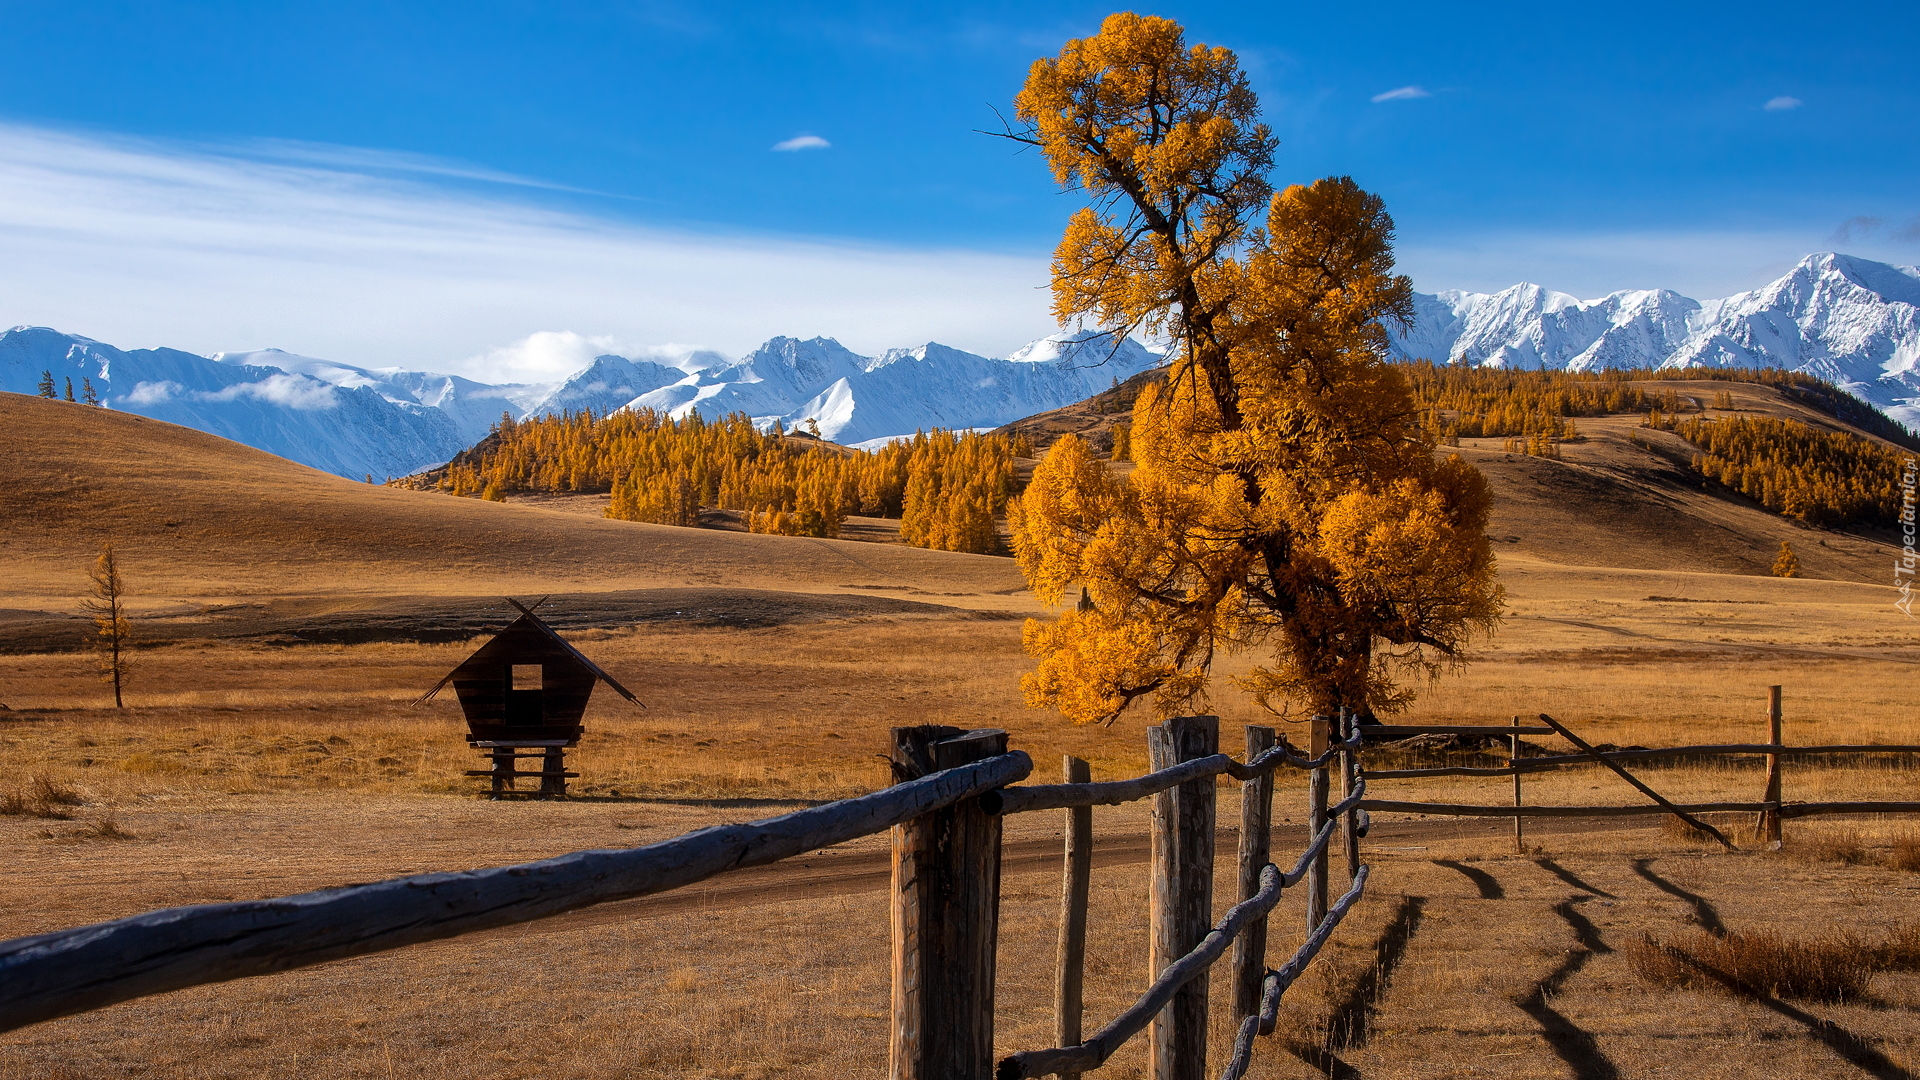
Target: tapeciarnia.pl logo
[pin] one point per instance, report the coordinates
(1909, 558)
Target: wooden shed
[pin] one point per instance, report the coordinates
(526, 690)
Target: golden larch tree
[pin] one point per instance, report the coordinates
(1786, 564)
(1287, 497)
(106, 602)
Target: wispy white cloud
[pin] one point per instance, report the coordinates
(802, 142)
(1782, 103)
(1404, 93)
(360, 159)
(141, 243)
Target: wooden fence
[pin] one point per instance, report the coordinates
(1769, 811)
(945, 812)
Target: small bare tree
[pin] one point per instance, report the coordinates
(106, 602)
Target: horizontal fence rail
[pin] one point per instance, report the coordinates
(1786, 810)
(1541, 764)
(1281, 978)
(1023, 800)
(1410, 730)
(72, 971)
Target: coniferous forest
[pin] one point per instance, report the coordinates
(1826, 478)
(946, 488)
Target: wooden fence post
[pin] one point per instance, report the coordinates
(946, 911)
(1513, 762)
(1317, 820)
(1070, 967)
(1182, 899)
(1769, 829)
(1256, 842)
(1349, 776)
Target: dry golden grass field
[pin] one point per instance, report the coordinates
(270, 747)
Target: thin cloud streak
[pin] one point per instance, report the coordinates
(802, 142)
(1782, 103)
(1404, 93)
(142, 244)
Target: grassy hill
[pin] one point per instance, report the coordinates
(213, 529)
(1620, 495)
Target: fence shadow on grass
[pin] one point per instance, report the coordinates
(1571, 1043)
(1704, 912)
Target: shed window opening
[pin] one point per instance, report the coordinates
(527, 677)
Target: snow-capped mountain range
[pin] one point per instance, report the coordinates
(385, 422)
(1850, 321)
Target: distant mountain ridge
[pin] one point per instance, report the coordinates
(384, 422)
(1851, 321)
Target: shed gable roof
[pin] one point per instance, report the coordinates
(529, 621)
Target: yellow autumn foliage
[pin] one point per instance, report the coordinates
(1287, 496)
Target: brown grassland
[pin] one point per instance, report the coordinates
(265, 752)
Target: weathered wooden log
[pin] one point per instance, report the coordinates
(1094, 1052)
(1793, 810)
(1182, 893)
(1540, 764)
(1623, 774)
(1022, 800)
(1349, 779)
(72, 971)
(1410, 730)
(1317, 819)
(1277, 982)
(1077, 873)
(946, 913)
(1519, 821)
(1787, 810)
(1256, 836)
(1769, 828)
(1297, 963)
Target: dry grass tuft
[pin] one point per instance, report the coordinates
(1836, 845)
(1763, 963)
(42, 798)
(1905, 854)
(1901, 952)
(1674, 828)
(105, 829)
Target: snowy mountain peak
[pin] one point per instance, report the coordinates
(1851, 321)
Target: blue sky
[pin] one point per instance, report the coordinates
(207, 166)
